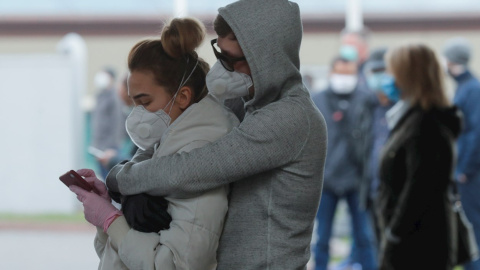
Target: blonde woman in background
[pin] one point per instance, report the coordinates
(416, 165)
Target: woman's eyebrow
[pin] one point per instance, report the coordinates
(140, 95)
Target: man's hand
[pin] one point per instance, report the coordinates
(106, 157)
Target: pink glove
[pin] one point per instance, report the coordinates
(98, 186)
(96, 209)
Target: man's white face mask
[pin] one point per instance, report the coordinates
(343, 84)
(224, 84)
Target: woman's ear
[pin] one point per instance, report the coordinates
(184, 97)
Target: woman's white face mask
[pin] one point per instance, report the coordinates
(146, 128)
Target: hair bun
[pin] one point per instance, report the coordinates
(182, 36)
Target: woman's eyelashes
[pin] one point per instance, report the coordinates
(144, 102)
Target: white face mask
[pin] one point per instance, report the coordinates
(101, 80)
(343, 84)
(146, 128)
(224, 84)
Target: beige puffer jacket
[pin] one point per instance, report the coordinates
(191, 241)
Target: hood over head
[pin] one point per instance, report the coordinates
(269, 33)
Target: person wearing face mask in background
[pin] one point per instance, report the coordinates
(355, 47)
(457, 52)
(375, 73)
(415, 213)
(347, 111)
(375, 76)
(273, 160)
(173, 114)
(111, 158)
(108, 122)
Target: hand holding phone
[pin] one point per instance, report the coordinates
(73, 178)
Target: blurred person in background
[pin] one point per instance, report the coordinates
(128, 148)
(108, 122)
(308, 81)
(347, 111)
(457, 52)
(173, 114)
(416, 164)
(375, 73)
(354, 47)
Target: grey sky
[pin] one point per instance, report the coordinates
(152, 7)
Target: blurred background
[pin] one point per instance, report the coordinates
(51, 52)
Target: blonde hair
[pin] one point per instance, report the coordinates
(418, 74)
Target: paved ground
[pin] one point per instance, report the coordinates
(46, 247)
(51, 246)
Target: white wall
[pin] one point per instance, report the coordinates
(39, 128)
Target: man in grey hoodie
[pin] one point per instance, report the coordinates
(274, 160)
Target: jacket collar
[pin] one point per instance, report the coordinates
(463, 77)
(397, 113)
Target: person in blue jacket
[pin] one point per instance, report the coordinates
(457, 52)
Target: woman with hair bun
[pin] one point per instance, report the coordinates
(173, 114)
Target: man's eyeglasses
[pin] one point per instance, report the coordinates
(226, 61)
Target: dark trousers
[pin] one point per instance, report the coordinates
(469, 193)
(361, 230)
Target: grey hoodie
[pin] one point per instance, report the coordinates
(274, 159)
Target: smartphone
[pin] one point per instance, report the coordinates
(96, 152)
(73, 178)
